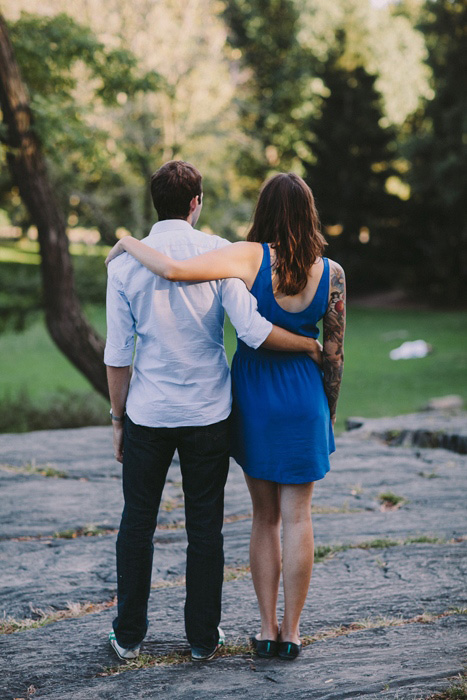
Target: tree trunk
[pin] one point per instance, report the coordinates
(68, 327)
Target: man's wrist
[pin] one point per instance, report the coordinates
(117, 419)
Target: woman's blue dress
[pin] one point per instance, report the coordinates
(282, 429)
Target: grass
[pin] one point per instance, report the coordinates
(34, 369)
(31, 468)
(32, 363)
(326, 551)
(390, 500)
(86, 531)
(456, 691)
(376, 386)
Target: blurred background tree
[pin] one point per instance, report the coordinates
(75, 84)
(437, 152)
(351, 159)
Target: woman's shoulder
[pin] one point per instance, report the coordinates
(248, 251)
(336, 283)
(335, 268)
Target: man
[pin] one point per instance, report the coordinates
(179, 398)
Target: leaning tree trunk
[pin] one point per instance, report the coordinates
(65, 321)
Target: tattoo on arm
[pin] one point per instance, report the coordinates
(333, 337)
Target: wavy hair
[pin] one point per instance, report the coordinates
(286, 217)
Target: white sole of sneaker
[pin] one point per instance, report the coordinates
(123, 654)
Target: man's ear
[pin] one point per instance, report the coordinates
(193, 204)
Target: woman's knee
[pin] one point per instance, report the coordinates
(267, 517)
(295, 503)
(265, 500)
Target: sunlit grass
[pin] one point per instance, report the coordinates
(31, 361)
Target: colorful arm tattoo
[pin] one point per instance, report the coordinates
(333, 336)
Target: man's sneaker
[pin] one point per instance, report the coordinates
(122, 653)
(198, 654)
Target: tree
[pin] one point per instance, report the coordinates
(65, 321)
(437, 150)
(351, 162)
(76, 85)
(191, 116)
(263, 36)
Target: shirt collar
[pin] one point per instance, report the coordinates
(171, 225)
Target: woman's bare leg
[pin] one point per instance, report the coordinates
(298, 553)
(265, 551)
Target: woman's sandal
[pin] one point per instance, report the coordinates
(288, 650)
(265, 648)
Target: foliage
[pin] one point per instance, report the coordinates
(322, 97)
(382, 39)
(351, 160)
(64, 409)
(20, 295)
(256, 87)
(438, 155)
(75, 84)
(21, 290)
(264, 35)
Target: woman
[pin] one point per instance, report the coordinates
(284, 406)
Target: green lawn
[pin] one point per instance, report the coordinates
(30, 361)
(373, 384)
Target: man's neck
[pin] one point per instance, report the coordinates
(189, 219)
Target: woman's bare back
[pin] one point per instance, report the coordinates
(298, 302)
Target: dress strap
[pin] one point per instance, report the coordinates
(259, 282)
(326, 277)
(266, 262)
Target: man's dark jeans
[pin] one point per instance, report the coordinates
(204, 462)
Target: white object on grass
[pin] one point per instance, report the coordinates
(410, 349)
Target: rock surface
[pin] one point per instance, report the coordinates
(438, 428)
(385, 612)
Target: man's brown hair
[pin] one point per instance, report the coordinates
(173, 187)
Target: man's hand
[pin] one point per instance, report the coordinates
(118, 441)
(118, 379)
(316, 353)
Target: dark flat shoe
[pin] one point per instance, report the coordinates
(288, 650)
(265, 648)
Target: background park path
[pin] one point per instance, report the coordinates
(386, 611)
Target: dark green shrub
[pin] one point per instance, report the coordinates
(64, 409)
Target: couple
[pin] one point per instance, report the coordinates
(171, 291)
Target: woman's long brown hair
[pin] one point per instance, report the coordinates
(286, 217)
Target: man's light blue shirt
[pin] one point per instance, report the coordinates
(180, 374)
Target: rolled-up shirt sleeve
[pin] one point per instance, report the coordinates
(121, 325)
(242, 309)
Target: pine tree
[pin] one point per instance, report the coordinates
(351, 162)
(263, 35)
(438, 225)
